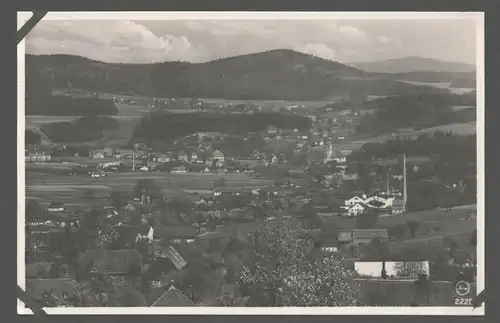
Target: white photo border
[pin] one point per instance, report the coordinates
(226, 15)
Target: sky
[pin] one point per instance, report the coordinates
(122, 41)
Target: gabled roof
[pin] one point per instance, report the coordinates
(213, 235)
(375, 203)
(462, 256)
(170, 253)
(38, 287)
(364, 205)
(369, 233)
(172, 297)
(217, 153)
(113, 261)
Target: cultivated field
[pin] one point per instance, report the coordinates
(71, 189)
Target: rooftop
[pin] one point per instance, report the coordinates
(172, 297)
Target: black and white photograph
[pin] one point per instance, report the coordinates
(251, 163)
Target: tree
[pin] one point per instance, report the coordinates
(409, 268)
(146, 187)
(284, 270)
(451, 245)
(378, 250)
(33, 209)
(311, 217)
(117, 199)
(413, 227)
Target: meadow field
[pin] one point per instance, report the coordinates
(433, 224)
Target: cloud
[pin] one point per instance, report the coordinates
(108, 41)
(320, 50)
(204, 40)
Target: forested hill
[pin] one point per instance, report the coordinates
(276, 74)
(417, 112)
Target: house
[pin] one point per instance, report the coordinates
(272, 130)
(376, 204)
(112, 262)
(163, 159)
(463, 259)
(398, 207)
(110, 211)
(355, 200)
(183, 156)
(172, 297)
(209, 161)
(170, 253)
(377, 198)
(62, 288)
(218, 155)
(130, 234)
(56, 207)
(325, 211)
(175, 232)
(358, 209)
(362, 236)
(194, 156)
(219, 163)
(179, 169)
(129, 207)
(228, 191)
(37, 157)
(329, 245)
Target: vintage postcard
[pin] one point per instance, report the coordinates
(252, 163)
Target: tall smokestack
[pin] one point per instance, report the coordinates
(405, 184)
(387, 185)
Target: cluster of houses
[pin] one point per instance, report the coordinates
(37, 157)
(166, 250)
(360, 204)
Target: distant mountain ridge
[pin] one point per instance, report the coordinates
(271, 75)
(413, 64)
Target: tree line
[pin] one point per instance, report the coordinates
(88, 128)
(164, 126)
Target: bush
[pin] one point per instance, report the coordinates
(412, 227)
(397, 232)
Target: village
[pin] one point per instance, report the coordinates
(166, 246)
